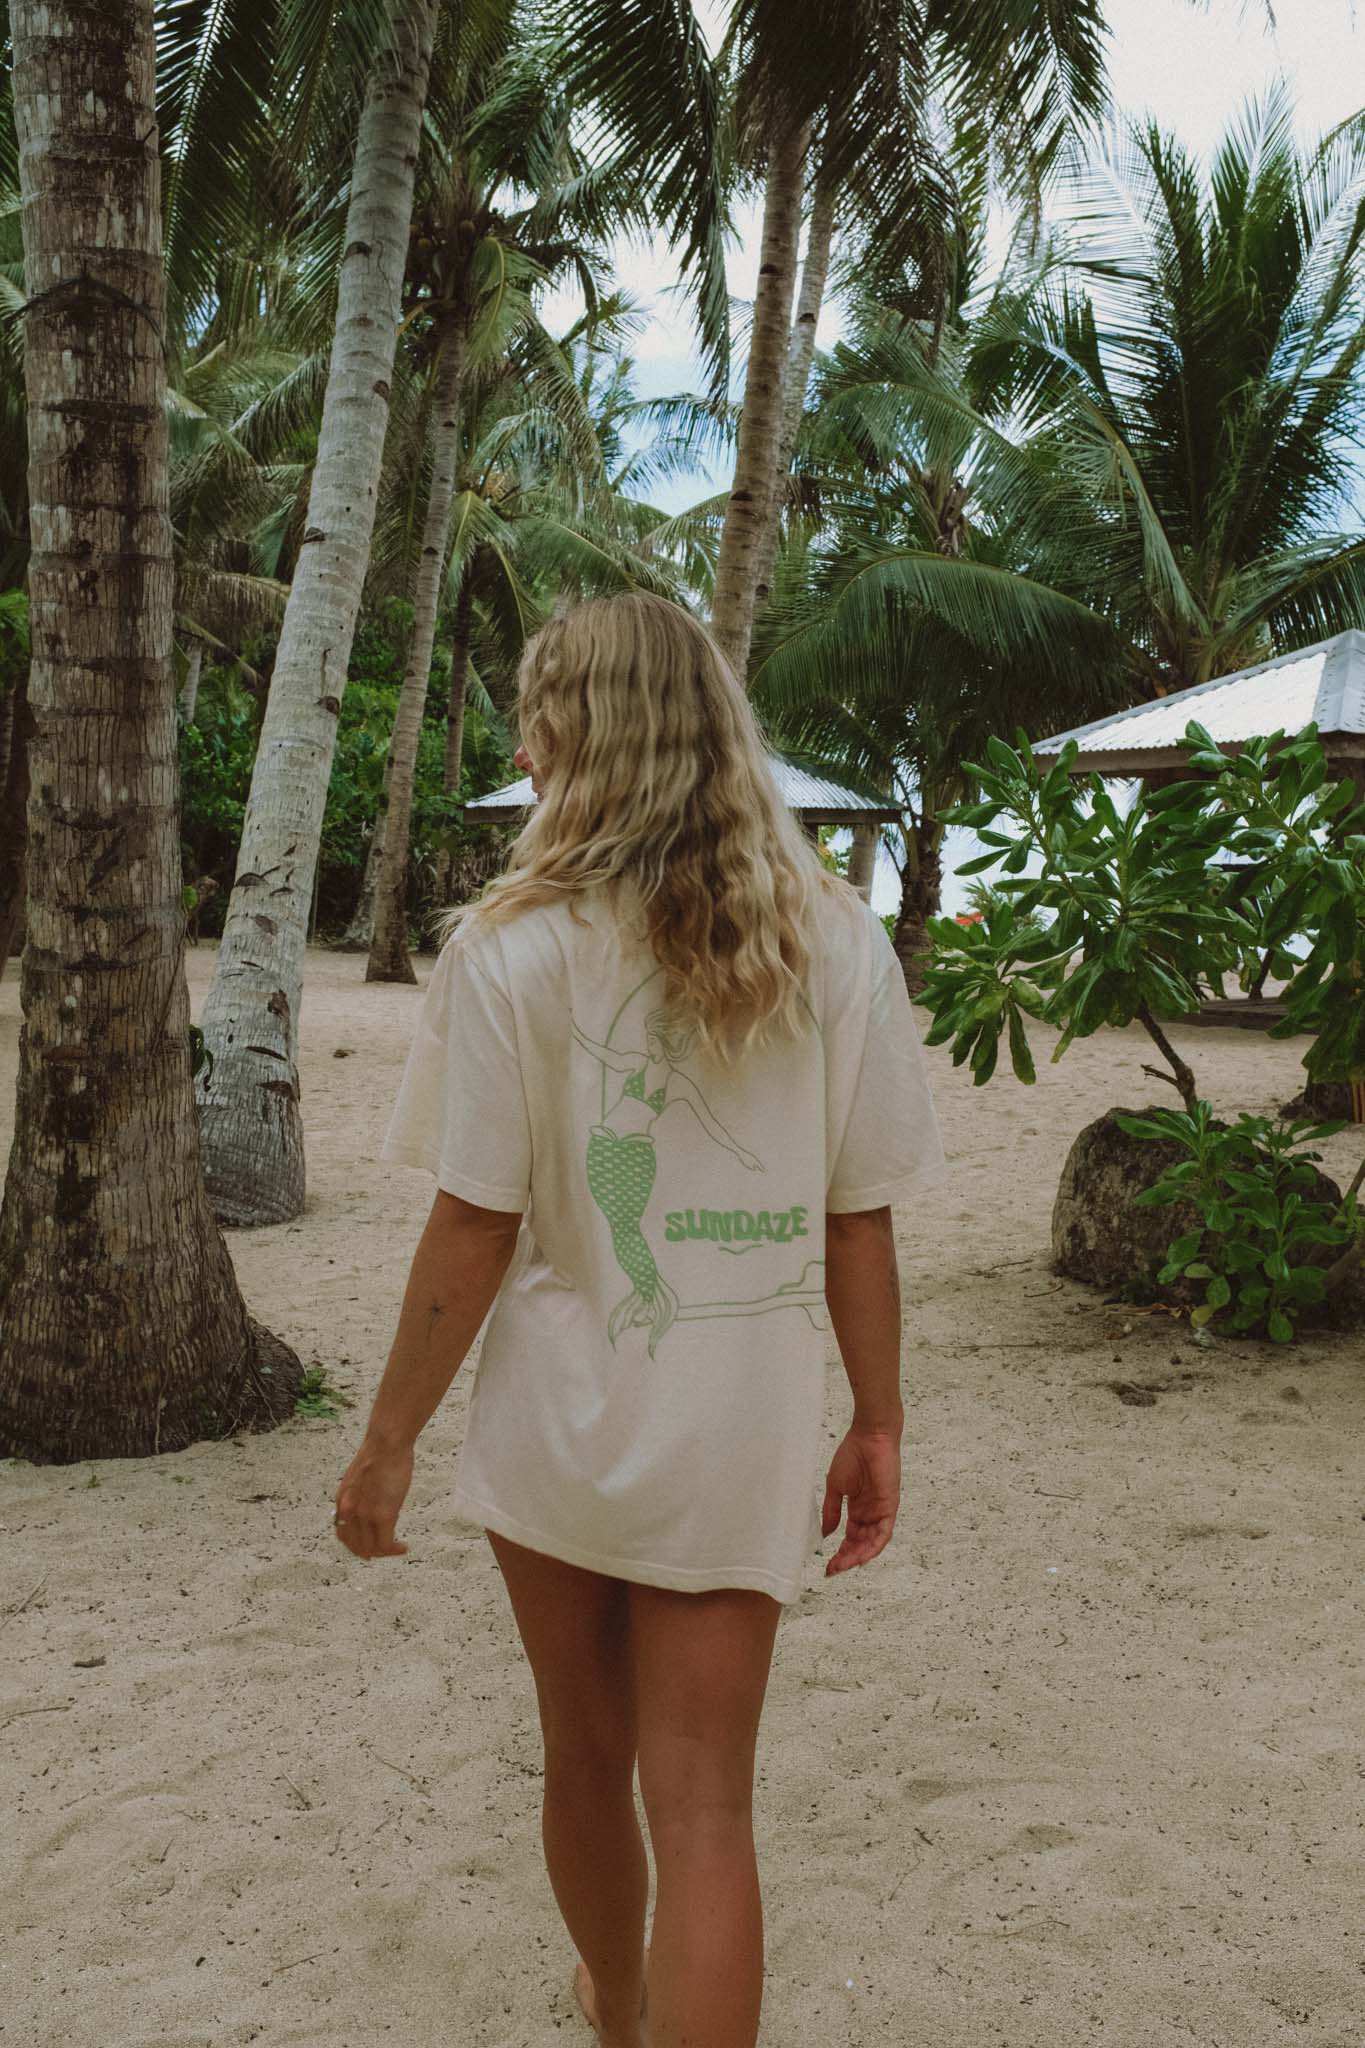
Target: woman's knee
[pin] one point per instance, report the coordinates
(696, 1789)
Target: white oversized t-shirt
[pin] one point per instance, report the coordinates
(649, 1394)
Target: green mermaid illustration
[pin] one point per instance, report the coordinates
(622, 1162)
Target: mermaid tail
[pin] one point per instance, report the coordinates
(621, 1179)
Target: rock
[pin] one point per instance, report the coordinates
(1097, 1234)
(1100, 1237)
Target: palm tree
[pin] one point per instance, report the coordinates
(1058, 504)
(477, 259)
(122, 1330)
(907, 625)
(249, 1103)
(538, 516)
(833, 101)
(1194, 378)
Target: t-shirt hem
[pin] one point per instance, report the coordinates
(476, 1191)
(673, 1578)
(886, 1191)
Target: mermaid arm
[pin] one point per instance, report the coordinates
(619, 1062)
(681, 1089)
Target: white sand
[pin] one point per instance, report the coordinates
(1078, 1761)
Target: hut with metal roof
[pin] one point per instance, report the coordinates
(815, 799)
(1322, 685)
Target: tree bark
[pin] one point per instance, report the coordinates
(359, 932)
(253, 1134)
(862, 857)
(122, 1330)
(16, 719)
(921, 888)
(189, 695)
(389, 959)
(800, 356)
(461, 636)
(740, 587)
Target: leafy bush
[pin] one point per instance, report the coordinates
(1136, 918)
(1263, 1223)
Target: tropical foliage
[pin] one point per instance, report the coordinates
(1102, 918)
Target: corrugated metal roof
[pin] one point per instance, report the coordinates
(1323, 684)
(800, 790)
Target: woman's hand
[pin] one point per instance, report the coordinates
(865, 1471)
(369, 1497)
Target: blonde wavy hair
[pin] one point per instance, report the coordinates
(654, 774)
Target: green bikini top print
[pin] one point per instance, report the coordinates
(635, 1085)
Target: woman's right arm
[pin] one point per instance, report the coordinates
(862, 1291)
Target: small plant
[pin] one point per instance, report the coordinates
(1263, 1228)
(318, 1396)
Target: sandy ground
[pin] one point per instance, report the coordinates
(1078, 1761)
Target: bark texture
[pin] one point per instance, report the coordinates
(921, 890)
(800, 355)
(16, 724)
(253, 1134)
(360, 931)
(862, 858)
(449, 860)
(122, 1331)
(389, 959)
(460, 639)
(741, 583)
(194, 668)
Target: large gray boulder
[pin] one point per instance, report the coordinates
(1097, 1234)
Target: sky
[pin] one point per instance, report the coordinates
(1191, 67)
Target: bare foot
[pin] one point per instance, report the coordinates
(587, 1999)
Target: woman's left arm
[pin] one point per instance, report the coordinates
(457, 1269)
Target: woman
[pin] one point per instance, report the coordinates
(665, 1048)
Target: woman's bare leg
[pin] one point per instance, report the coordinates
(575, 1627)
(701, 1670)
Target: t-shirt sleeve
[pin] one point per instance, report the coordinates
(890, 1145)
(461, 1109)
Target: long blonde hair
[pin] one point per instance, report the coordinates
(654, 774)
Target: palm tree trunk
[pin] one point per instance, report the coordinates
(921, 887)
(389, 959)
(800, 356)
(862, 857)
(189, 695)
(253, 1134)
(16, 722)
(461, 636)
(740, 587)
(359, 933)
(122, 1330)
